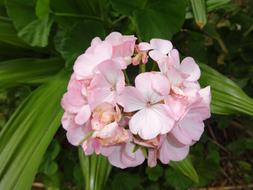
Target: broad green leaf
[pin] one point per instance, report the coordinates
(176, 179)
(73, 42)
(42, 8)
(128, 7)
(36, 33)
(227, 97)
(26, 136)
(65, 7)
(21, 12)
(33, 30)
(28, 70)
(186, 167)
(206, 159)
(8, 35)
(95, 169)
(160, 19)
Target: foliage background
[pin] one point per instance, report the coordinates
(39, 41)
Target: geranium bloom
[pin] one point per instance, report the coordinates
(159, 117)
(153, 116)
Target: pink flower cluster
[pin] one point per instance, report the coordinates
(158, 118)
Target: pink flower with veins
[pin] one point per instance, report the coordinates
(106, 85)
(152, 117)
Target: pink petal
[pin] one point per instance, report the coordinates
(144, 83)
(172, 150)
(112, 74)
(205, 93)
(83, 115)
(150, 122)
(144, 46)
(107, 131)
(84, 66)
(131, 99)
(67, 121)
(113, 38)
(160, 84)
(177, 106)
(164, 46)
(157, 56)
(174, 58)
(192, 128)
(100, 95)
(190, 67)
(123, 156)
(75, 135)
(115, 158)
(181, 135)
(103, 52)
(130, 158)
(122, 45)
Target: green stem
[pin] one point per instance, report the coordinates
(86, 137)
(77, 16)
(142, 68)
(118, 20)
(127, 78)
(5, 18)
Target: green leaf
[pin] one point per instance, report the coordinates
(216, 4)
(154, 173)
(26, 136)
(37, 32)
(95, 169)
(176, 179)
(27, 70)
(126, 181)
(128, 7)
(160, 19)
(199, 12)
(32, 30)
(207, 161)
(8, 35)
(239, 146)
(42, 8)
(73, 42)
(186, 167)
(227, 97)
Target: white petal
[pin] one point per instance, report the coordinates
(164, 46)
(83, 115)
(144, 83)
(131, 99)
(190, 67)
(150, 122)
